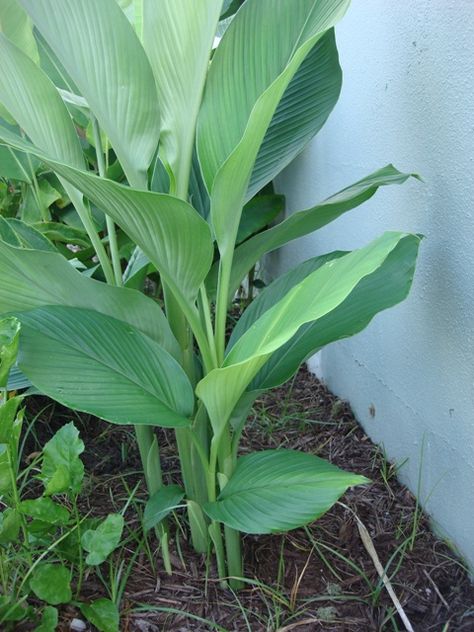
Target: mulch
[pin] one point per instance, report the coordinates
(319, 578)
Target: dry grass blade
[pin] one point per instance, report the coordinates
(369, 547)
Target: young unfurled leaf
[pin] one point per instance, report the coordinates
(161, 504)
(46, 510)
(52, 583)
(62, 469)
(100, 542)
(278, 490)
(102, 613)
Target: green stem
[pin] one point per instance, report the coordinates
(222, 301)
(150, 457)
(81, 555)
(111, 232)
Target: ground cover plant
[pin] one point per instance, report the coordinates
(206, 130)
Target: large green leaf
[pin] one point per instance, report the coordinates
(178, 38)
(34, 102)
(12, 165)
(302, 111)
(255, 62)
(103, 366)
(18, 27)
(101, 52)
(52, 583)
(279, 490)
(305, 222)
(33, 278)
(315, 296)
(9, 340)
(176, 239)
(382, 289)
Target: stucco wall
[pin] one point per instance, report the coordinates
(408, 98)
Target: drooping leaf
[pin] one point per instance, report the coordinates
(45, 509)
(101, 52)
(55, 231)
(253, 65)
(11, 419)
(103, 366)
(102, 541)
(161, 504)
(30, 279)
(305, 222)
(166, 228)
(314, 297)
(179, 57)
(279, 490)
(62, 469)
(52, 583)
(103, 614)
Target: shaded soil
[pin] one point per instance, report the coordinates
(320, 578)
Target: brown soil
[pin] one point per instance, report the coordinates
(321, 578)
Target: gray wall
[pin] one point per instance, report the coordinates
(407, 98)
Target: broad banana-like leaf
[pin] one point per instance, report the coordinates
(178, 39)
(384, 288)
(33, 278)
(102, 53)
(34, 102)
(253, 65)
(258, 214)
(304, 108)
(168, 230)
(305, 222)
(278, 490)
(13, 166)
(103, 366)
(18, 27)
(316, 296)
(27, 236)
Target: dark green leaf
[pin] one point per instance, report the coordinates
(278, 490)
(52, 583)
(161, 504)
(49, 620)
(102, 613)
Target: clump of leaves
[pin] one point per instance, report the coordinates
(198, 130)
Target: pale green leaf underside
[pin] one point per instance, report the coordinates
(33, 278)
(102, 366)
(278, 490)
(102, 53)
(382, 289)
(316, 296)
(178, 40)
(18, 27)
